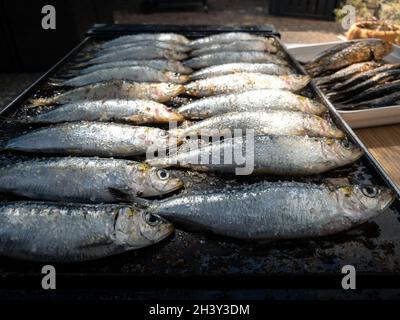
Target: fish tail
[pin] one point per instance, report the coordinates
(305, 80)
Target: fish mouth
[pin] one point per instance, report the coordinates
(355, 154)
(173, 116)
(183, 78)
(170, 229)
(387, 198)
(320, 109)
(336, 133)
(176, 184)
(164, 231)
(303, 81)
(172, 185)
(178, 90)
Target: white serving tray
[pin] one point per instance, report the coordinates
(357, 118)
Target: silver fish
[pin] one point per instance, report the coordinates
(225, 37)
(232, 57)
(245, 45)
(276, 211)
(239, 82)
(138, 53)
(265, 155)
(135, 73)
(160, 64)
(89, 139)
(131, 111)
(263, 123)
(41, 231)
(347, 72)
(228, 68)
(147, 43)
(86, 180)
(252, 100)
(166, 37)
(116, 89)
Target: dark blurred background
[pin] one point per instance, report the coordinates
(28, 50)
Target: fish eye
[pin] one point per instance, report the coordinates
(176, 74)
(162, 174)
(346, 144)
(370, 192)
(151, 219)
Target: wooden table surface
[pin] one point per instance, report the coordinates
(384, 144)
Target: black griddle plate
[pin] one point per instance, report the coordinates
(187, 264)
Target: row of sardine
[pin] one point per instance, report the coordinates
(156, 58)
(55, 232)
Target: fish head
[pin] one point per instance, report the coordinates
(380, 48)
(296, 82)
(156, 113)
(179, 67)
(176, 77)
(362, 202)
(159, 181)
(316, 126)
(169, 89)
(165, 115)
(341, 151)
(312, 106)
(137, 228)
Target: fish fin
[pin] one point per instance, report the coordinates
(120, 195)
